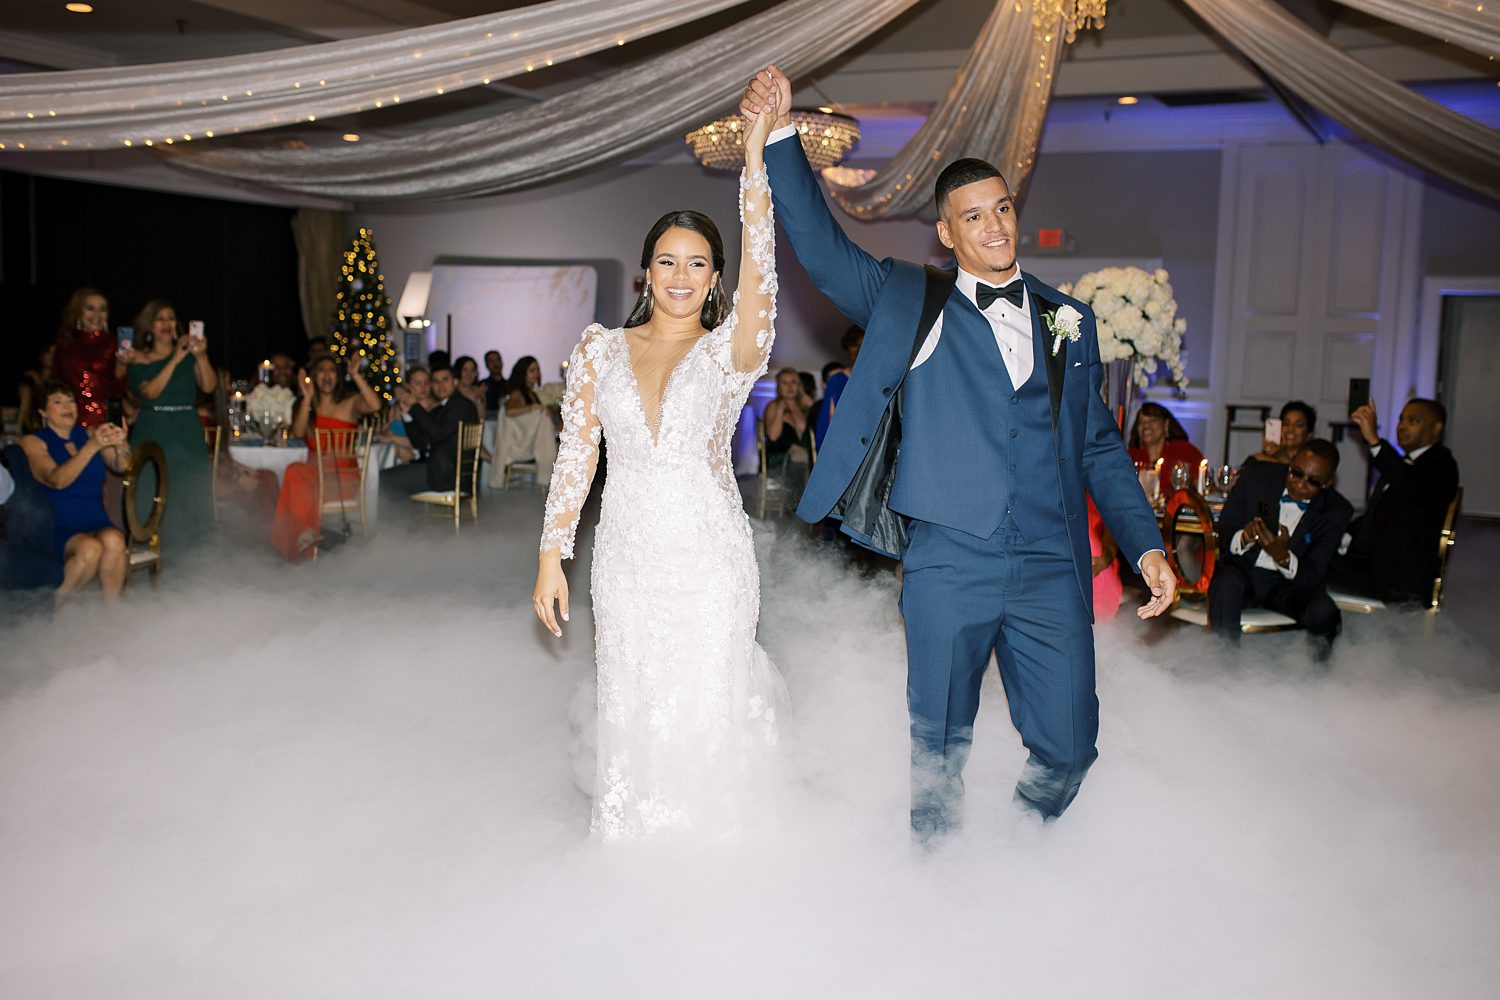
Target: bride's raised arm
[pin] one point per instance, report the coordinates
(755, 297)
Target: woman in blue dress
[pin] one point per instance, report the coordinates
(70, 463)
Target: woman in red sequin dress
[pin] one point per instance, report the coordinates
(87, 356)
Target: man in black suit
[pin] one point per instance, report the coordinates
(1393, 548)
(433, 429)
(497, 385)
(1277, 534)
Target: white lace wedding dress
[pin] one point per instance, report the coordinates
(686, 697)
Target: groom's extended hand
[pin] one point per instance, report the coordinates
(1162, 581)
(770, 90)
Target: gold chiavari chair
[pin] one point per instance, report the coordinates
(465, 476)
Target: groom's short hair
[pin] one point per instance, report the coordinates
(958, 174)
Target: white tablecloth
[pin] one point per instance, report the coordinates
(382, 456)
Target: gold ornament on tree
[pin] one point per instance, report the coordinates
(1076, 16)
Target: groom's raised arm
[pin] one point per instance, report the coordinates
(841, 270)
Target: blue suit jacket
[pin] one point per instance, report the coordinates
(885, 297)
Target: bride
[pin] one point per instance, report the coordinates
(686, 698)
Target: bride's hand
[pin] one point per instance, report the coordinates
(551, 585)
(770, 92)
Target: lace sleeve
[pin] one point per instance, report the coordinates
(578, 447)
(754, 320)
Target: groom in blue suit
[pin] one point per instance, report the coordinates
(969, 432)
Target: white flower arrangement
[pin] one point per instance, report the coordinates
(276, 400)
(1137, 320)
(550, 393)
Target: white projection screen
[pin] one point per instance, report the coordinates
(517, 309)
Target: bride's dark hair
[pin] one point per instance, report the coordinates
(716, 305)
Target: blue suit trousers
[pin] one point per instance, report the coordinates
(963, 599)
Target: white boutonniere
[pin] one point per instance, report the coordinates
(1064, 321)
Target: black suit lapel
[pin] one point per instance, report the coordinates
(940, 282)
(1056, 364)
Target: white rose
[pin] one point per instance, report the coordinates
(1068, 321)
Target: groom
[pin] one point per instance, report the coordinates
(970, 429)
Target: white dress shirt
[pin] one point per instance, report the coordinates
(1010, 325)
(1289, 516)
(1411, 456)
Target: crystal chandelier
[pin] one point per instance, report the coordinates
(1076, 15)
(826, 135)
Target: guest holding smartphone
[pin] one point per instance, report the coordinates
(167, 370)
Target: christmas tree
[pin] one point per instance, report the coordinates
(362, 321)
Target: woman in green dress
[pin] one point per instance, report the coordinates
(167, 369)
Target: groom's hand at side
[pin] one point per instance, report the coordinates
(1162, 581)
(769, 90)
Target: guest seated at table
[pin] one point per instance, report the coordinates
(466, 372)
(418, 382)
(70, 462)
(28, 553)
(835, 378)
(1279, 531)
(1156, 436)
(433, 430)
(529, 431)
(496, 385)
(788, 431)
(1298, 420)
(283, 371)
(167, 370)
(30, 386)
(1393, 547)
(327, 402)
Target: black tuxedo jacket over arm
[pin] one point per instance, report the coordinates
(435, 431)
(1397, 535)
(1316, 537)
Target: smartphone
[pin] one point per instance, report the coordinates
(1359, 394)
(195, 329)
(1273, 429)
(125, 335)
(114, 411)
(1267, 515)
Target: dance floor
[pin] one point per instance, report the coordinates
(357, 779)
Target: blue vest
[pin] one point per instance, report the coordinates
(974, 449)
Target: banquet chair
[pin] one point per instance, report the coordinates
(213, 438)
(770, 481)
(329, 446)
(465, 476)
(143, 537)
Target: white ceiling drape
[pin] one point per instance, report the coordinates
(170, 102)
(1473, 24)
(1373, 107)
(631, 112)
(993, 110)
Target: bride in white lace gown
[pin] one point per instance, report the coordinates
(686, 697)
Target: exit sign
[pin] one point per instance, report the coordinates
(1051, 239)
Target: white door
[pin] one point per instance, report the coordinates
(1470, 369)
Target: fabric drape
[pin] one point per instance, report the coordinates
(591, 126)
(993, 110)
(169, 102)
(320, 236)
(1468, 23)
(1373, 107)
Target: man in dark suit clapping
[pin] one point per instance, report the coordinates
(1277, 535)
(1393, 548)
(434, 431)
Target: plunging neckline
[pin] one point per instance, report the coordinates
(653, 432)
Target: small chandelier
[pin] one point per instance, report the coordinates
(826, 135)
(1076, 16)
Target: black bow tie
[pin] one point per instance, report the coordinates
(1013, 292)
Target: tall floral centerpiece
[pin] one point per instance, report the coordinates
(1139, 330)
(270, 406)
